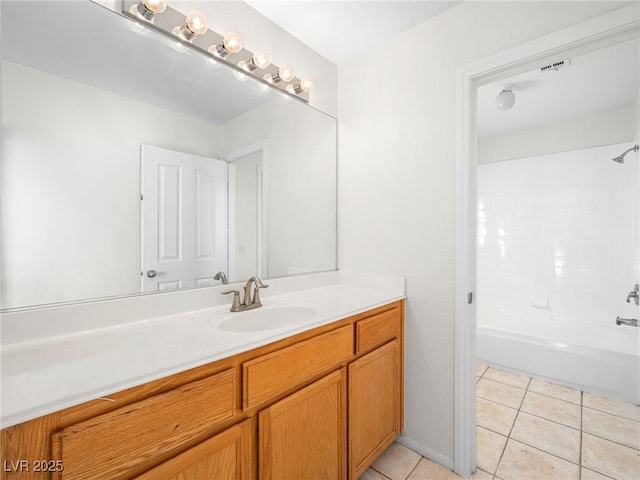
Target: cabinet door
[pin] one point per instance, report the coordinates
(227, 456)
(375, 405)
(303, 436)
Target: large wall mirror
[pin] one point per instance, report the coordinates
(133, 164)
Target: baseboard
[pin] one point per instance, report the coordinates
(426, 452)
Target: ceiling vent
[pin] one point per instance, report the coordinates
(555, 66)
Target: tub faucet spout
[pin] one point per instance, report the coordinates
(635, 294)
(632, 322)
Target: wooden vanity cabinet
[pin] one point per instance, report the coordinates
(322, 404)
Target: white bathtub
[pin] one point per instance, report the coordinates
(601, 360)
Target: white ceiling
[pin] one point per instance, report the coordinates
(341, 30)
(598, 81)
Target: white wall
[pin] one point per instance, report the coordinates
(602, 128)
(396, 110)
(558, 236)
(247, 189)
(301, 182)
(64, 136)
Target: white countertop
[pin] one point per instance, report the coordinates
(44, 374)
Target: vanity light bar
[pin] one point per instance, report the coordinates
(176, 26)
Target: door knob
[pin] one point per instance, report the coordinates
(151, 273)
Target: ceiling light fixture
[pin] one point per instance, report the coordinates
(506, 98)
(193, 32)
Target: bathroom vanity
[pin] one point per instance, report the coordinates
(324, 402)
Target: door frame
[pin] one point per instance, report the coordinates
(261, 148)
(607, 29)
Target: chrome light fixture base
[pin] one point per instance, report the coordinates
(170, 19)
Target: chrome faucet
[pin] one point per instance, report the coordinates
(249, 301)
(635, 294)
(632, 322)
(222, 277)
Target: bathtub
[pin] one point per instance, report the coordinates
(601, 360)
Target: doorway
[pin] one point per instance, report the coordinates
(614, 27)
(248, 211)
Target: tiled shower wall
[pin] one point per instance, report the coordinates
(558, 236)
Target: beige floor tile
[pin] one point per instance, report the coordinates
(428, 470)
(480, 369)
(550, 437)
(520, 462)
(552, 409)
(514, 379)
(586, 474)
(489, 448)
(371, 474)
(614, 428)
(500, 393)
(611, 459)
(397, 462)
(481, 475)
(610, 405)
(558, 391)
(495, 417)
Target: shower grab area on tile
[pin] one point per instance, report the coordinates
(529, 429)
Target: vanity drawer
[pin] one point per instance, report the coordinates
(269, 375)
(133, 438)
(378, 329)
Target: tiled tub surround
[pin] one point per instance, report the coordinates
(98, 348)
(528, 429)
(558, 251)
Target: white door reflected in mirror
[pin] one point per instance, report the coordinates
(184, 219)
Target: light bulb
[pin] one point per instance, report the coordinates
(261, 59)
(306, 85)
(232, 42)
(506, 98)
(154, 6)
(147, 9)
(196, 22)
(286, 73)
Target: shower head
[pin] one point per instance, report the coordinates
(620, 158)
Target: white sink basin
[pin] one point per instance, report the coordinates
(268, 318)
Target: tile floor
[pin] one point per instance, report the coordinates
(534, 430)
